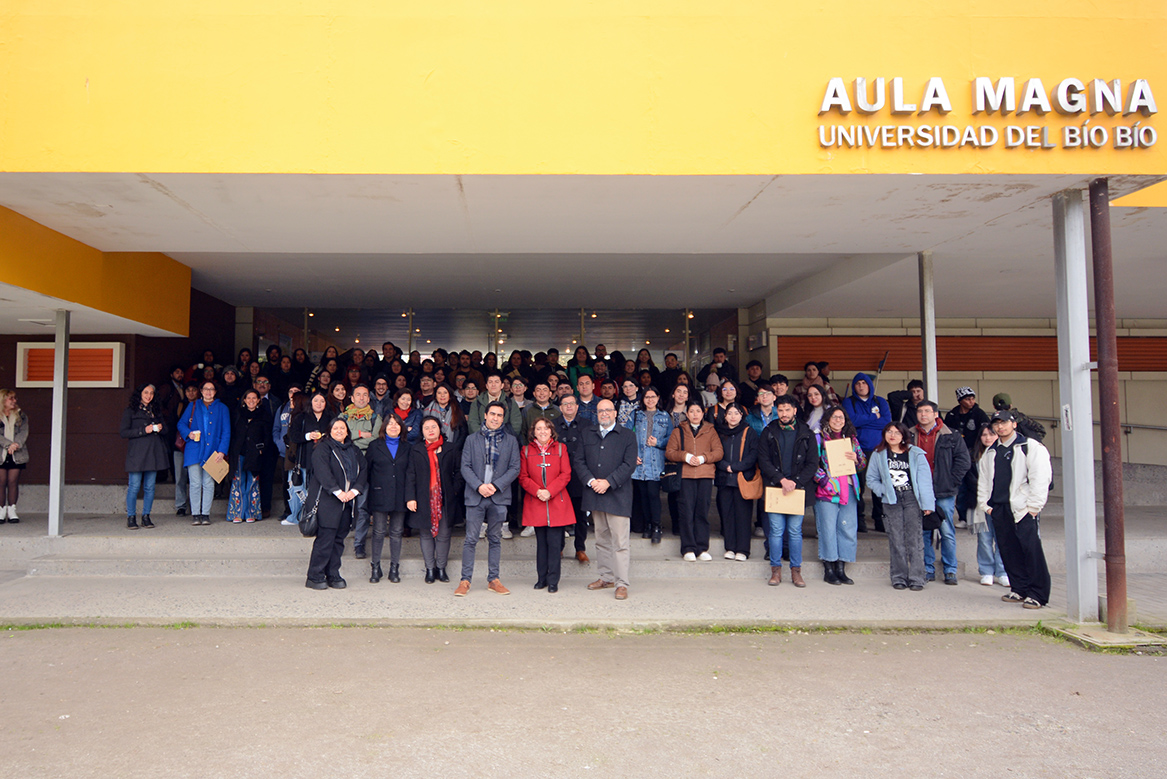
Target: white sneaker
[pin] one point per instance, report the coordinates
(729, 555)
(690, 557)
(288, 521)
(741, 558)
(960, 523)
(1003, 581)
(3, 513)
(527, 532)
(506, 532)
(705, 557)
(12, 512)
(987, 580)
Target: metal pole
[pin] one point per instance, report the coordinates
(494, 335)
(306, 349)
(928, 327)
(410, 350)
(57, 433)
(1104, 322)
(583, 331)
(687, 362)
(1076, 414)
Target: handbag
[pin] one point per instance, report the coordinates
(309, 520)
(751, 489)
(670, 478)
(932, 521)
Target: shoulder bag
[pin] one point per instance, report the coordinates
(751, 489)
(308, 520)
(670, 478)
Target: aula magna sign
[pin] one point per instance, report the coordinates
(1110, 115)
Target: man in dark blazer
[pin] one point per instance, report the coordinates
(606, 460)
(490, 464)
(569, 427)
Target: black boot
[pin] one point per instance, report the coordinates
(647, 532)
(656, 534)
(394, 575)
(376, 575)
(829, 572)
(131, 522)
(431, 575)
(146, 521)
(441, 574)
(841, 572)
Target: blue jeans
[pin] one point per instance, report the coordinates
(790, 526)
(944, 507)
(988, 556)
(144, 480)
(837, 526)
(297, 495)
(202, 490)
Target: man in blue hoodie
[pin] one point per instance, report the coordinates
(870, 414)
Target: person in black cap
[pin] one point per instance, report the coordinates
(1031, 429)
(966, 418)
(1012, 488)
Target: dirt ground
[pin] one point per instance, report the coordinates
(341, 702)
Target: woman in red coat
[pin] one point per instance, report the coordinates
(544, 475)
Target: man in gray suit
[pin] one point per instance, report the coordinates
(490, 464)
(605, 461)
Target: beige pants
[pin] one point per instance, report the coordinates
(613, 551)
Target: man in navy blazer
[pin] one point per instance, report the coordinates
(490, 464)
(605, 462)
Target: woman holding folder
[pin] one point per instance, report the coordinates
(206, 426)
(836, 494)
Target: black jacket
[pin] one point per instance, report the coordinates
(613, 458)
(569, 434)
(329, 473)
(387, 475)
(731, 446)
(302, 424)
(968, 425)
(806, 458)
(251, 437)
(417, 482)
(951, 459)
(146, 451)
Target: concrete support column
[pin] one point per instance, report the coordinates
(928, 327)
(57, 433)
(1076, 413)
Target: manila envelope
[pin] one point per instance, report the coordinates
(840, 465)
(217, 468)
(778, 502)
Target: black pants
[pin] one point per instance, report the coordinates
(675, 512)
(694, 508)
(736, 515)
(267, 475)
(581, 525)
(876, 503)
(646, 495)
(327, 549)
(548, 548)
(1021, 552)
(394, 523)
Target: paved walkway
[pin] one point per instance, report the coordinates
(677, 594)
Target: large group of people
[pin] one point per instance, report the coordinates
(400, 445)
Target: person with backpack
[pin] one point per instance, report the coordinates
(1030, 428)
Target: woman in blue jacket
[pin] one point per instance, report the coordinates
(869, 413)
(899, 474)
(206, 426)
(652, 426)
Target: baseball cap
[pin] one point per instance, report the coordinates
(1001, 400)
(1003, 416)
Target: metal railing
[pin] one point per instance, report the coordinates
(1127, 427)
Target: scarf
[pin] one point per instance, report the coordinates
(785, 426)
(352, 412)
(402, 413)
(493, 437)
(10, 421)
(431, 449)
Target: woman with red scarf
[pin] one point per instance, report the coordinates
(544, 474)
(431, 493)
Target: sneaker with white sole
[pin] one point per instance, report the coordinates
(3, 513)
(729, 555)
(289, 521)
(527, 532)
(741, 558)
(1003, 581)
(705, 557)
(506, 532)
(987, 580)
(690, 557)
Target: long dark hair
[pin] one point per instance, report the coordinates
(903, 432)
(136, 399)
(848, 431)
(457, 418)
(979, 447)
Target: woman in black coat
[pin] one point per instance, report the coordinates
(307, 429)
(339, 474)
(388, 459)
(250, 433)
(146, 454)
(432, 497)
(739, 443)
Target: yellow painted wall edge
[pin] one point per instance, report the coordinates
(1154, 196)
(146, 287)
(662, 87)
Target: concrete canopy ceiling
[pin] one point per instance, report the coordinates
(611, 242)
(23, 312)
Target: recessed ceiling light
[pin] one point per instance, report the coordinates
(667, 330)
(338, 329)
(646, 343)
(311, 314)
